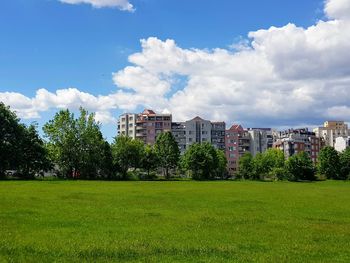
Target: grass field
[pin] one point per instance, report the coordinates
(174, 221)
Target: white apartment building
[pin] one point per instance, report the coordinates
(127, 125)
(342, 143)
(197, 130)
(332, 130)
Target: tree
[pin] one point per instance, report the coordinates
(222, 164)
(345, 164)
(246, 166)
(9, 137)
(32, 153)
(329, 163)
(202, 161)
(168, 152)
(127, 153)
(150, 159)
(300, 167)
(76, 146)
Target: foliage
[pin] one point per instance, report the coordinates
(127, 153)
(222, 164)
(345, 164)
(329, 163)
(300, 167)
(246, 166)
(21, 148)
(150, 160)
(76, 146)
(168, 152)
(202, 160)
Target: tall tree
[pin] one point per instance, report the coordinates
(222, 163)
(76, 146)
(127, 153)
(202, 161)
(168, 152)
(150, 159)
(246, 166)
(300, 167)
(345, 164)
(329, 163)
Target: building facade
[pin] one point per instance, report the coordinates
(127, 125)
(342, 143)
(293, 141)
(331, 130)
(237, 142)
(218, 135)
(261, 139)
(144, 126)
(178, 129)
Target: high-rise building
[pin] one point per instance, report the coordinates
(332, 130)
(260, 140)
(127, 125)
(237, 142)
(178, 129)
(150, 124)
(342, 143)
(293, 141)
(198, 130)
(218, 135)
(144, 126)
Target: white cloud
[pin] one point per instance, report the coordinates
(121, 4)
(338, 9)
(284, 76)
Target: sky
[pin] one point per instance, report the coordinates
(268, 63)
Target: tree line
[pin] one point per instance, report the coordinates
(272, 165)
(74, 147)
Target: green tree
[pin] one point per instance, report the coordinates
(246, 166)
(329, 163)
(127, 153)
(32, 153)
(150, 160)
(76, 146)
(222, 164)
(9, 137)
(168, 152)
(201, 160)
(345, 164)
(300, 167)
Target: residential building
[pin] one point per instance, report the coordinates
(260, 140)
(127, 125)
(150, 124)
(342, 143)
(237, 142)
(197, 130)
(293, 141)
(218, 135)
(178, 129)
(332, 130)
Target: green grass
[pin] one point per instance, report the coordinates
(75, 221)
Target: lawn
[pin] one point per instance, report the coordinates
(75, 221)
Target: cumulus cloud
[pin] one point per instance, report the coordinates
(282, 76)
(121, 4)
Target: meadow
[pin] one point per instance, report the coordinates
(244, 221)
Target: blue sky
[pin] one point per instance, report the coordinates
(47, 44)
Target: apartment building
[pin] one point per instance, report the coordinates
(332, 130)
(261, 139)
(198, 130)
(218, 135)
(150, 124)
(127, 125)
(144, 126)
(237, 142)
(178, 129)
(293, 141)
(342, 143)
